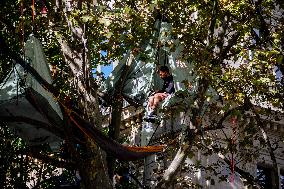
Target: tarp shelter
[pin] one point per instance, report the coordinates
(27, 108)
(142, 77)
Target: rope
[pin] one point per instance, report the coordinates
(6, 79)
(78, 125)
(22, 31)
(17, 80)
(152, 135)
(166, 60)
(33, 10)
(233, 142)
(33, 16)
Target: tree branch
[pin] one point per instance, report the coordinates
(275, 177)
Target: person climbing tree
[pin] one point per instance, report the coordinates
(158, 96)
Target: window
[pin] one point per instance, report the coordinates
(278, 74)
(282, 179)
(264, 176)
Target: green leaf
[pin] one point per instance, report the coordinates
(87, 18)
(109, 34)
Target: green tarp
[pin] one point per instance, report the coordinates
(27, 108)
(142, 78)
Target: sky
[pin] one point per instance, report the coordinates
(106, 70)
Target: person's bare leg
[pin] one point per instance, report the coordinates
(151, 102)
(157, 99)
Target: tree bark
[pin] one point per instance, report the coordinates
(93, 166)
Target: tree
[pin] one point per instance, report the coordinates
(214, 34)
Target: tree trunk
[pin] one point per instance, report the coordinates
(92, 167)
(114, 130)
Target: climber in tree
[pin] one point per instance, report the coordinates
(168, 89)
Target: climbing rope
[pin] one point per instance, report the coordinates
(233, 142)
(22, 25)
(33, 11)
(6, 79)
(150, 140)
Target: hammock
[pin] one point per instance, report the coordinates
(121, 152)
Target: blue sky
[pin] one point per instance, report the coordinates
(106, 70)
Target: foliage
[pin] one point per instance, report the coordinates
(20, 170)
(234, 46)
